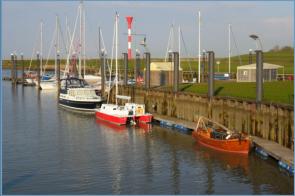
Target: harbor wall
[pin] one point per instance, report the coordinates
(274, 122)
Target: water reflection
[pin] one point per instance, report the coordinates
(78, 154)
(227, 161)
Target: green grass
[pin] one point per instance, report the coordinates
(277, 92)
(284, 57)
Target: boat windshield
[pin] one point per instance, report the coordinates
(73, 83)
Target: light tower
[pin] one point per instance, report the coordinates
(129, 22)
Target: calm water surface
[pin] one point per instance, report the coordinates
(50, 150)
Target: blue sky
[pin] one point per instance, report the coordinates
(271, 20)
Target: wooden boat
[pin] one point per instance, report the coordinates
(220, 138)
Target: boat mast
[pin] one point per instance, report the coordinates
(229, 49)
(99, 43)
(56, 47)
(41, 47)
(80, 40)
(84, 53)
(116, 54)
(179, 43)
(199, 64)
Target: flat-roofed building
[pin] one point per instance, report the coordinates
(162, 73)
(247, 73)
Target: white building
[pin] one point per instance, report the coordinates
(247, 73)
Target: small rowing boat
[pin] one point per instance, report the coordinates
(218, 137)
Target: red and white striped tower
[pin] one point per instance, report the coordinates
(129, 21)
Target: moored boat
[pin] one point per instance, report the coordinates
(220, 138)
(122, 115)
(75, 94)
(130, 112)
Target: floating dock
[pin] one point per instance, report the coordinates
(283, 155)
(174, 121)
(275, 150)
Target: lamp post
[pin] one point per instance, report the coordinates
(218, 62)
(255, 37)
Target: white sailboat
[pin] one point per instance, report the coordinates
(75, 92)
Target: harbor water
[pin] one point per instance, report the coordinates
(50, 150)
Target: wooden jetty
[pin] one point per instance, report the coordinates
(273, 149)
(174, 121)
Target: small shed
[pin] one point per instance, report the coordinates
(162, 73)
(247, 73)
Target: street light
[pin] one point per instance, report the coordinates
(218, 66)
(255, 37)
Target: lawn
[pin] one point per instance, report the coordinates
(277, 92)
(284, 57)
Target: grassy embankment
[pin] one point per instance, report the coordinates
(279, 92)
(281, 57)
(276, 92)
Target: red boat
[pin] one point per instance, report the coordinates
(121, 115)
(221, 139)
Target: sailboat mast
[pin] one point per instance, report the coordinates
(56, 41)
(84, 53)
(199, 64)
(80, 40)
(179, 43)
(41, 47)
(229, 49)
(99, 43)
(116, 55)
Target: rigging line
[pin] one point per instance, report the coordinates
(185, 49)
(238, 52)
(102, 40)
(34, 49)
(62, 36)
(110, 70)
(49, 52)
(71, 43)
(168, 45)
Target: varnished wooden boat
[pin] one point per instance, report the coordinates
(221, 138)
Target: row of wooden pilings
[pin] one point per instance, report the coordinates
(274, 122)
(211, 64)
(269, 121)
(14, 76)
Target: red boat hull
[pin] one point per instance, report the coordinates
(231, 145)
(112, 119)
(145, 118)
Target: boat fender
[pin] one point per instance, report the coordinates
(261, 152)
(227, 137)
(287, 167)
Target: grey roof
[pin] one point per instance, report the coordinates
(265, 66)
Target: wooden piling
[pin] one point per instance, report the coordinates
(102, 72)
(23, 68)
(176, 71)
(15, 69)
(12, 68)
(147, 70)
(125, 56)
(58, 74)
